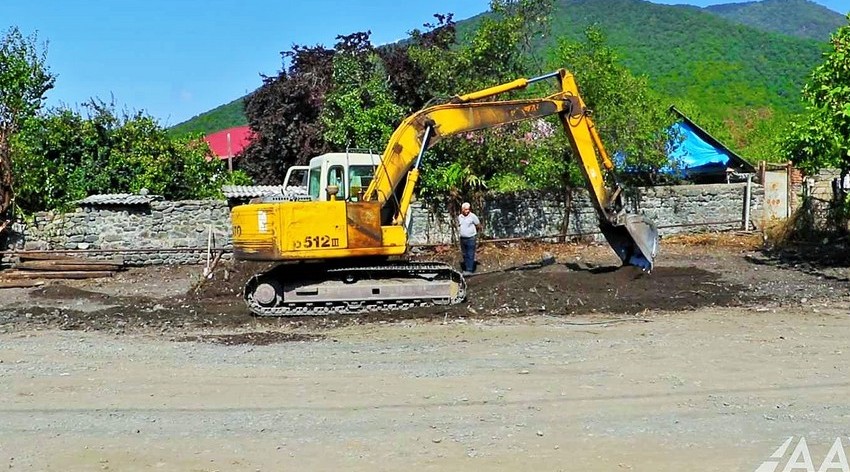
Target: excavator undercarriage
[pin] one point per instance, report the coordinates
(300, 289)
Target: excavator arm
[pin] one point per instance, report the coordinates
(632, 237)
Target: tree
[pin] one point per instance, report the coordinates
(24, 79)
(821, 137)
(354, 96)
(407, 77)
(630, 118)
(359, 111)
(530, 23)
(498, 50)
(63, 156)
(284, 114)
(495, 51)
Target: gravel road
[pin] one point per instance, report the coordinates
(708, 387)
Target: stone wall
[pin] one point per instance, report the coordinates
(159, 225)
(186, 224)
(820, 184)
(675, 209)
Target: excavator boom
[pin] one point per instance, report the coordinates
(348, 239)
(632, 237)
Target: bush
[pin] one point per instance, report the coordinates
(63, 156)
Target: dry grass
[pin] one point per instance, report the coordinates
(780, 233)
(736, 240)
(799, 228)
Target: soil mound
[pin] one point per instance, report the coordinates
(63, 292)
(624, 290)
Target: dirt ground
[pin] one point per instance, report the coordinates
(708, 363)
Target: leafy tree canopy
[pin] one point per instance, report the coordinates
(496, 51)
(24, 79)
(359, 110)
(284, 114)
(64, 156)
(821, 137)
(350, 96)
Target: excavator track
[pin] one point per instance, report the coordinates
(311, 290)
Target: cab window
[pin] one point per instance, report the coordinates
(315, 183)
(359, 177)
(297, 178)
(336, 176)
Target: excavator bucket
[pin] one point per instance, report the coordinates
(635, 240)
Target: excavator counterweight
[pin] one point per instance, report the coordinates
(338, 248)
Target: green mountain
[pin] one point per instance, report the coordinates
(720, 58)
(800, 18)
(689, 53)
(219, 118)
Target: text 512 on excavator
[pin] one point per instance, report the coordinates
(341, 245)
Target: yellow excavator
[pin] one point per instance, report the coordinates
(340, 246)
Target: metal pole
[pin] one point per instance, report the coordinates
(747, 194)
(208, 269)
(229, 155)
(544, 77)
(422, 149)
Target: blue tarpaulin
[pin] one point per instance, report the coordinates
(693, 155)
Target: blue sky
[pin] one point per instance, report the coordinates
(175, 59)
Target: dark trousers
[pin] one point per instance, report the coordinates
(467, 248)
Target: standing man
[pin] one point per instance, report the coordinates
(468, 225)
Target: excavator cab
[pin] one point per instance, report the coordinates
(349, 173)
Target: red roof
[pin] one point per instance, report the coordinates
(240, 136)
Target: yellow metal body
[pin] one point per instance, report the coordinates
(313, 230)
(341, 229)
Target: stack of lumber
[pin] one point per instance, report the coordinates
(46, 266)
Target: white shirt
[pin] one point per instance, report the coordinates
(467, 225)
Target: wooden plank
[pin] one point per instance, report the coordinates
(44, 257)
(64, 265)
(118, 260)
(87, 274)
(20, 283)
